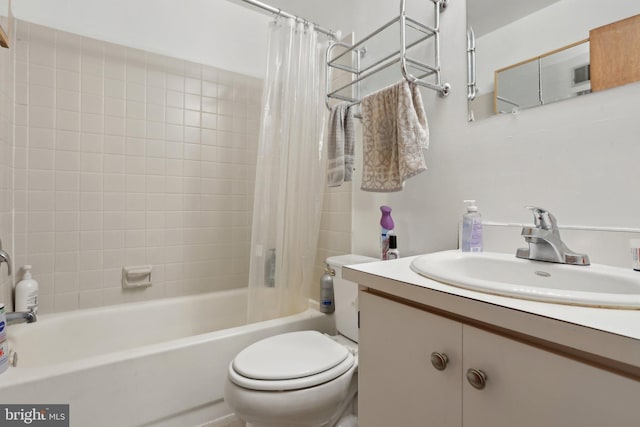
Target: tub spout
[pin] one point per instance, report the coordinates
(4, 257)
(22, 316)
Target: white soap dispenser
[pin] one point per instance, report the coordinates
(26, 292)
(471, 228)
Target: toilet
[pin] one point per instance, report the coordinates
(302, 378)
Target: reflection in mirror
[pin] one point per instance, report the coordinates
(510, 32)
(551, 77)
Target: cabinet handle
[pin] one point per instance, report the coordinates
(439, 360)
(477, 378)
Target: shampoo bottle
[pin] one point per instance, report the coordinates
(471, 228)
(386, 224)
(27, 292)
(327, 304)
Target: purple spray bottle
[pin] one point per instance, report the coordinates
(386, 224)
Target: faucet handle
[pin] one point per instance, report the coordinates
(542, 218)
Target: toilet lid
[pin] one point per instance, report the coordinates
(290, 361)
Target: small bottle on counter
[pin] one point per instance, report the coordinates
(393, 252)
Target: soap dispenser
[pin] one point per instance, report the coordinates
(27, 292)
(471, 228)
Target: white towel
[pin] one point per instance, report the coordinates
(340, 146)
(395, 131)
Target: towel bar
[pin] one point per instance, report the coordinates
(399, 56)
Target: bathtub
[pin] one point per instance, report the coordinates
(158, 363)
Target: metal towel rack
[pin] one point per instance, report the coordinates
(399, 56)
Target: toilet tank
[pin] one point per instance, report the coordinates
(346, 294)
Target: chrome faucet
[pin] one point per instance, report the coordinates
(545, 243)
(4, 257)
(22, 316)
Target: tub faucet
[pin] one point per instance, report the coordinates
(22, 316)
(545, 243)
(4, 257)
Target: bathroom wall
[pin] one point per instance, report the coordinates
(578, 158)
(6, 162)
(575, 158)
(201, 32)
(213, 32)
(335, 225)
(126, 158)
(567, 29)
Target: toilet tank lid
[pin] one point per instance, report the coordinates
(349, 259)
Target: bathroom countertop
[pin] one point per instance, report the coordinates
(611, 335)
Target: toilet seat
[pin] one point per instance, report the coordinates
(290, 361)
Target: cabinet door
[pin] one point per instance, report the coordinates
(398, 386)
(529, 387)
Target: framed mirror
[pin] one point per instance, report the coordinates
(556, 75)
(544, 45)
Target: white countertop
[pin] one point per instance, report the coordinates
(610, 333)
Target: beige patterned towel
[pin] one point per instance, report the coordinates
(340, 146)
(395, 131)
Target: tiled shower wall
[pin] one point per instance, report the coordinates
(335, 225)
(126, 158)
(6, 164)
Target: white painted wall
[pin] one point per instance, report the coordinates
(330, 14)
(212, 32)
(551, 28)
(578, 158)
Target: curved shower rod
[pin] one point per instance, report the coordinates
(280, 12)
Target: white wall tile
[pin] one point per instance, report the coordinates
(92, 84)
(64, 139)
(135, 91)
(64, 120)
(92, 103)
(109, 148)
(68, 100)
(114, 106)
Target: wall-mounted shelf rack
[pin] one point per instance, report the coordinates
(350, 59)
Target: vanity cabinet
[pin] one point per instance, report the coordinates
(523, 385)
(397, 385)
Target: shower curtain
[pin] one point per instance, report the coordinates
(290, 173)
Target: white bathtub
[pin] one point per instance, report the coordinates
(158, 363)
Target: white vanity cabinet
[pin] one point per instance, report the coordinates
(397, 385)
(526, 386)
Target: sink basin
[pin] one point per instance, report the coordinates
(503, 274)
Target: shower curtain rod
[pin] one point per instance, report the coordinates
(280, 12)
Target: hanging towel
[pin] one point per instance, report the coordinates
(395, 131)
(340, 145)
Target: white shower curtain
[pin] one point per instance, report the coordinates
(290, 173)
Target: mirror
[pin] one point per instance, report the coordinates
(552, 77)
(541, 48)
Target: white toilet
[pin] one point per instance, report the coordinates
(302, 378)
